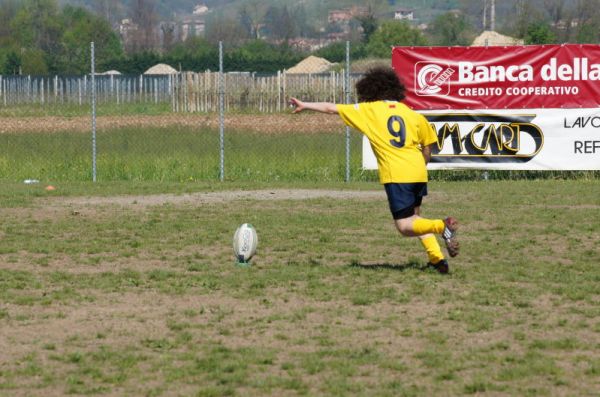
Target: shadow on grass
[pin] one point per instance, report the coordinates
(390, 266)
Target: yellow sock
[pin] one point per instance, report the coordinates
(434, 252)
(425, 226)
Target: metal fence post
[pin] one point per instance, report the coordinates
(347, 88)
(221, 115)
(93, 92)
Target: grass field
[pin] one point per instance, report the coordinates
(159, 154)
(143, 149)
(107, 294)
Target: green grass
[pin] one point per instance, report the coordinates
(177, 155)
(147, 300)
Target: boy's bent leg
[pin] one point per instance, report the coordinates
(421, 226)
(406, 209)
(448, 228)
(416, 226)
(430, 243)
(406, 226)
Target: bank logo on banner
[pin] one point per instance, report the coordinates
(432, 78)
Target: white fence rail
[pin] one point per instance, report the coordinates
(186, 92)
(19, 90)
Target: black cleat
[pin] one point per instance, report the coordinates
(441, 266)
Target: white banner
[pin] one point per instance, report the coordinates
(524, 139)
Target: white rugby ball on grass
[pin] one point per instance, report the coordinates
(245, 242)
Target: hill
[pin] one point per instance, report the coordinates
(316, 10)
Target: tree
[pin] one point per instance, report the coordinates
(279, 23)
(539, 33)
(168, 30)
(108, 9)
(555, 9)
(82, 27)
(260, 56)
(37, 25)
(8, 11)
(195, 54)
(524, 14)
(586, 17)
(136, 63)
(304, 29)
(143, 14)
(34, 62)
(368, 24)
(588, 33)
(245, 21)
(377, 7)
(336, 52)
(38, 37)
(452, 29)
(226, 29)
(12, 63)
(393, 33)
(256, 11)
(475, 9)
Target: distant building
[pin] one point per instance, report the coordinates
(167, 38)
(194, 24)
(336, 16)
(184, 26)
(190, 27)
(305, 44)
(200, 9)
(346, 14)
(340, 21)
(166, 33)
(404, 14)
(336, 36)
(565, 24)
(127, 31)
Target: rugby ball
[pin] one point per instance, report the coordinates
(245, 242)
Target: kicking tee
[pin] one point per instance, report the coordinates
(397, 134)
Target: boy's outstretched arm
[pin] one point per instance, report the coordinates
(323, 107)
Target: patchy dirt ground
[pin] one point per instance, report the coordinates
(216, 197)
(164, 311)
(264, 123)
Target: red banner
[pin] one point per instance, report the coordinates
(511, 77)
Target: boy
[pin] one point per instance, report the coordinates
(401, 140)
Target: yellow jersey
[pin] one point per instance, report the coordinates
(397, 135)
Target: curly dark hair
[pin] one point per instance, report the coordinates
(379, 84)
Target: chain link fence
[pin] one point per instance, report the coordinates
(189, 126)
(176, 126)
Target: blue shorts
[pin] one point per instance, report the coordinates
(404, 197)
